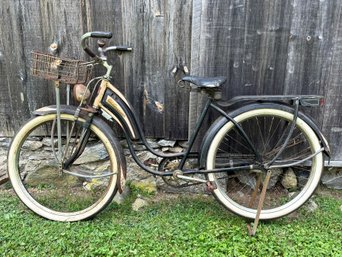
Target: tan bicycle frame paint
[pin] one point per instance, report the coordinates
(115, 105)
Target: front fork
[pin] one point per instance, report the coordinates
(61, 153)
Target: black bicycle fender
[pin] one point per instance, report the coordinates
(218, 124)
(99, 122)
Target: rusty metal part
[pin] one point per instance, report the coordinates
(192, 179)
(89, 109)
(211, 186)
(256, 189)
(65, 70)
(101, 43)
(251, 231)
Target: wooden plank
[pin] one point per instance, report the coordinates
(154, 67)
(177, 56)
(95, 12)
(312, 67)
(332, 119)
(152, 28)
(63, 21)
(14, 105)
(32, 25)
(133, 35)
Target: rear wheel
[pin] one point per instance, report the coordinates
(72, 193)
(290, 185)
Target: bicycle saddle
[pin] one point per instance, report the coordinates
(205, 82)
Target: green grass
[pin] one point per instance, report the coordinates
(188, 226)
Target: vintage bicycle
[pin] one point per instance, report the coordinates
(244, 159)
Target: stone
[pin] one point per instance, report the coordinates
(183, 144)
(246, 178)
(136, 146)
(147, 185)
(97, 167)
(138, 204)
(50, 175)
(276, 172)
(93, 184)
(3, 165)
(32, 166)
(165, 142)
(32, 145)
(38, 155)
(311, 206)
(152, 143)
(332, 178)
(120, 198)
(289, 180)
(4, 142)
(240, 194)
(145, 155)
(139, 147)
(176, 149)
(93, 153)
(47, 142)
(302, 178)
(334, 183)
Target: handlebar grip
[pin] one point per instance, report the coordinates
(119, 48)
(94, 34)
(124, 48)
(101, 34)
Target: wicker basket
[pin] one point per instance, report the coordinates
(64, 70)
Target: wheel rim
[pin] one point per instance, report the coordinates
(48, 191)
(236, 190)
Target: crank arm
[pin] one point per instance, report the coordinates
(211, 186)
(191, 178)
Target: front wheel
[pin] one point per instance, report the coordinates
(290, 185)
(76, 192)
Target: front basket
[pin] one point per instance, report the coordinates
(60, 69)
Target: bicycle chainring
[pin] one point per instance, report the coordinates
(171, 164)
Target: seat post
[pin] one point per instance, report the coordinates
(194, 99)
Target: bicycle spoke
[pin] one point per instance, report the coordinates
(267, 133)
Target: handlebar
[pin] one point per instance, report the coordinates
(100, 34)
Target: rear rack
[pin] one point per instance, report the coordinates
(304, 100)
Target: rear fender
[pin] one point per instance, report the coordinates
(218, 124)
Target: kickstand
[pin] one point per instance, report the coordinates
(251, 231)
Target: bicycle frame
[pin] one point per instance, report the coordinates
(115, 107)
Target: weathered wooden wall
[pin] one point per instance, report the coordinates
(275, 47)
(158, 31)
(262, 46)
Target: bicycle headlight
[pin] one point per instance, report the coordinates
(80, 92)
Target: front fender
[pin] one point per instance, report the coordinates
(68, 109)
(218, 124)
